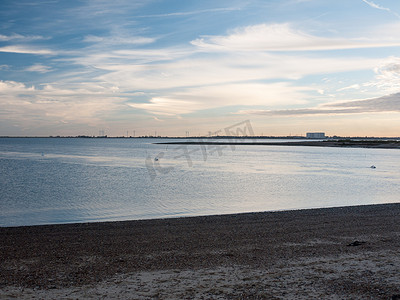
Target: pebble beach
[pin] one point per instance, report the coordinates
(330, 253)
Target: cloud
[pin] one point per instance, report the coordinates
(386, 80)
(19, 37)
(350, 87)
(51, 105)
(118, 40)
(187, 70)
(127, 73)
(36, 3)
(38, 68)
(281, 37)
(26, 50)
(182, 80)
(387, 31)
(374, 5)
(167, 106)
(193, 99)
(387, 75)
(157, 119)
(188, 13)
(104, 14)
(389, 103)
(297, 112)
(14, 87)
(114, 69)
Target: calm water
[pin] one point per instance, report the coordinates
(47, 181)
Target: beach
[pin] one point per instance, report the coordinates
(329, 253)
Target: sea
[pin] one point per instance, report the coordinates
(70, 180)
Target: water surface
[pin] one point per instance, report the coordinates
(60, 180)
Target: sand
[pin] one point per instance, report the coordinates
(333, 253)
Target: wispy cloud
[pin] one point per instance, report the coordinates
(374, 5)
(193, 99)
(187, 71)
(36, 3)
(54, 104)
(19, 38)
(389, 103)
(350, 87)
(168, 107)
(387, 75)
(299, 112)
(38, 68)
(27, 50)
(381, 104)
(183, 80)
(110, 60)
(118, 40)
(282, 37)
(14, 87)
(195, 12)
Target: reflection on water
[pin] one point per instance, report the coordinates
(78, 180)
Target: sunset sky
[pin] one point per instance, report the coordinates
(288, 66)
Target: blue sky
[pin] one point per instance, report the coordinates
(290, 66)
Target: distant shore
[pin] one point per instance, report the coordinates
(382, 144)
(205, 138)
(348, 252)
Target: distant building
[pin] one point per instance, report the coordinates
(315, 135)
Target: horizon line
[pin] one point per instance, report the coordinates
(206, 137)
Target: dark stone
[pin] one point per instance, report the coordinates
(356, 243)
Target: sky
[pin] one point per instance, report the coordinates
(170, 67)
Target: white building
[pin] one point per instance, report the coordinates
(315, 135)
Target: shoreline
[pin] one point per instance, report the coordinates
(375, 144)
(228, 215)
(344, 251)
